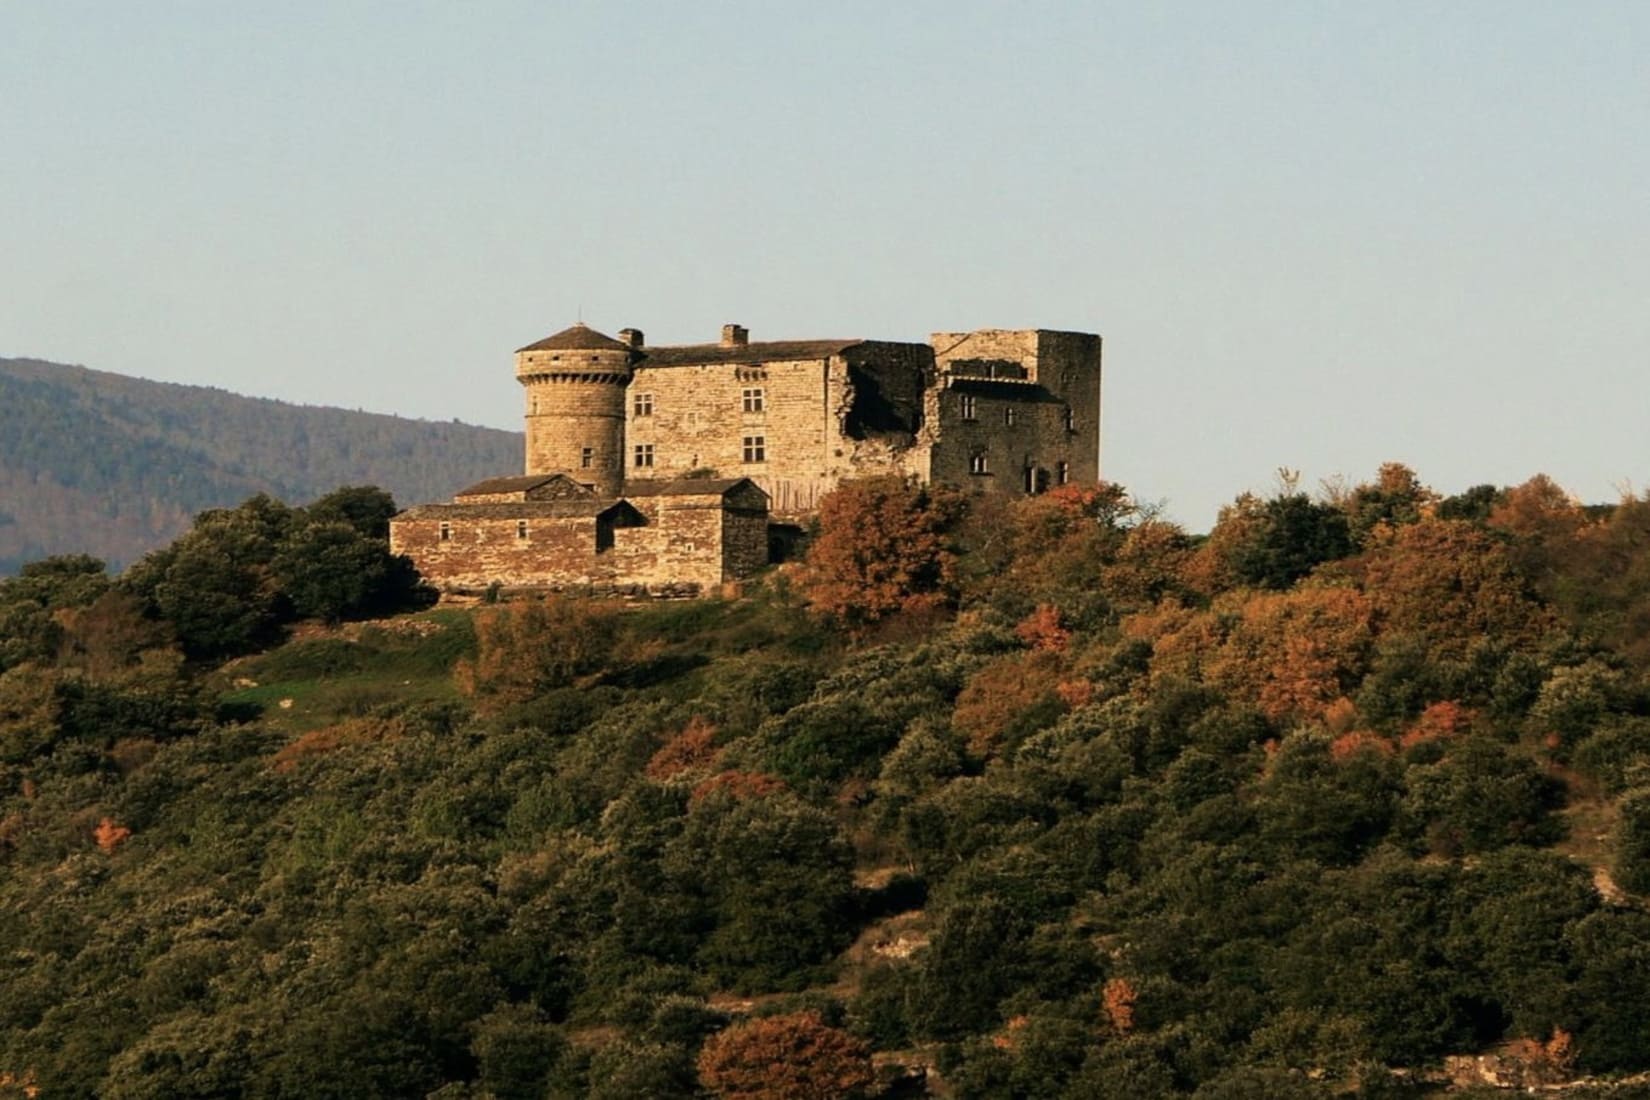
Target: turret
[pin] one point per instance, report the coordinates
(575, 382)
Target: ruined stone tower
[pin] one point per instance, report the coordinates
(576, 382)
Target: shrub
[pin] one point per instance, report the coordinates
(795, 1057)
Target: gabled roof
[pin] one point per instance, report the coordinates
(768, 351)
(580, 337)
(519, 509)
(686, 486)
(520, 483)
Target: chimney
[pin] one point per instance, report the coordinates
(631, 337)
(735, 336)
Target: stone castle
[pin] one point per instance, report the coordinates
(660, 468)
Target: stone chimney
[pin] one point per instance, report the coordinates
(735, 336)
(631, 336)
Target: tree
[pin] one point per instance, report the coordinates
(1396, 498)
(794, 1057)
(1277, 542)
(330, 570)
(883, 546)
(366, 508)
(535, 646)
(215, 584)
(1450, 583)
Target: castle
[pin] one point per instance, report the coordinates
(659, 468)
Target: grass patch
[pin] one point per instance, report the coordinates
(313, 681)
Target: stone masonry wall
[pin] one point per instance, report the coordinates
(816, 421)
(1063, 366)
(744, 543)
(1069, 366)
(568, 413)
(683, 545)
(558, 552)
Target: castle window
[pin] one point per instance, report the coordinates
(1009, 416)
(644, 454)
(756, 448)
(445, 534)
(1063, 470)
(521, 528)
(644, 404)
(970, 407)
(587, 456)
(1071, 420)
(977, 463)
(753, 400)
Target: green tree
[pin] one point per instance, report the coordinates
(366, 508)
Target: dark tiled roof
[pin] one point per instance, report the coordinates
(770, 351)
(515, 509)
(684, 486)
(518, 484)
(578, 338)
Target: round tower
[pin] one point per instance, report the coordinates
(575, 382)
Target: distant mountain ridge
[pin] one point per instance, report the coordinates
(105, 464)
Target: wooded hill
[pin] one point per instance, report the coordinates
(1039, 798)
(112, 466)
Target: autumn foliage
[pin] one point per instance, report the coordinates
(794, 1057)
(692, 749)
(1118, 998)
(883, 547)
(740, 786)
(110, 836)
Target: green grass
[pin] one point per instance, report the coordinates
(354, 671)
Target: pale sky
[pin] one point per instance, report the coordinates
(1317, 235)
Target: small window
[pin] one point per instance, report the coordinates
(644, 454)
(977, 463)
(1009, 415)
(756, 448)
(970, 407)
(1071, 420)
(446, 532)
(587, 457)
(644, 404)
(521, 529)
(1062, 470)
(753, 400)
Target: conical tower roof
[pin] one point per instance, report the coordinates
(580, 337)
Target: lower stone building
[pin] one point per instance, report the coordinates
(679, 537)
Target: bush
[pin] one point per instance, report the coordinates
(796, 1057)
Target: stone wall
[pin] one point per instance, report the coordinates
(744, 543)
(655, 543)
(1061, 373)
(818, 420)
(558, 552)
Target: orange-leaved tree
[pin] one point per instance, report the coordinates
(1450, 583)
(794, 1057)
(883, 547)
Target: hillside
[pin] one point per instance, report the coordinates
(1043, 799)
(99, 463)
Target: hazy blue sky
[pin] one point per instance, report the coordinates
(1319, 235)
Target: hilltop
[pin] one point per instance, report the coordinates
(104, 464)
(1031, 799)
